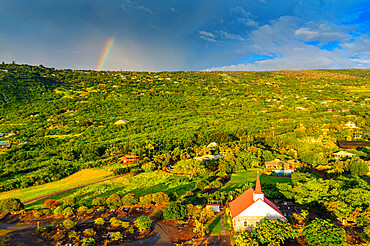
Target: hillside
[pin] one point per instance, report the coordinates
(63, 120)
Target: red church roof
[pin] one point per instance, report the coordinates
(245, 200)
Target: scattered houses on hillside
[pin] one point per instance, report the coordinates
(251, 207)
(277, 166)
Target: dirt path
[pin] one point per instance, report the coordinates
(73, 188)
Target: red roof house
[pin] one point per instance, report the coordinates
(251, 207)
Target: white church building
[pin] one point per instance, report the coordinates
(251, 207)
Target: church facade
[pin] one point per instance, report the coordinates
(251, 207)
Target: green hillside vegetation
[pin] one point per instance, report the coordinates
(60, 122)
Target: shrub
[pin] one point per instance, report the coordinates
(244, 239)
(70, 201)
(129, 199)
(46, 211)
(174, 211)
(116, 236)
(100, 209)
(114, 201)
(115, 222)
(69, 224)
(160, 198)
(146, 200)
(125, 224)
(273, 232)
(99, 221)
(82, 209)
(88, 242)
(58, 210)
(11, 204)
(51, 203)
(130, 230)
(68, 212)
(143, 222)
(159, 215)
(323, 232)
(89, 232)
(99, 201)
(72, 234)
(38, 214)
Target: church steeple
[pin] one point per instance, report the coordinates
(257, 194)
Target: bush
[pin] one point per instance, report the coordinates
(146, 200)
(116, 236)
(99, 201)
(125, 224)
(68, 212)
(129, 199)
(46, 211)
(69, 224)
(273, 232)
(130, 230)
(143, 223)
(244, 239)
(99, 221)
(82, 209)
(323, 232)
(38, 214)
(11, 204)
(69, 201)
(58, 210)
(174, 211)
(51, 203)
(88, 242)
(160, 198)
(115, 222)
(114, 201)
(72, 234)
(159, 215)
(89, 232)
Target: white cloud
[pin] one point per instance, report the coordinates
(226, 35)
(243, 17)
(129, 5)
(207, 36)
(285, 39)
(324, 33)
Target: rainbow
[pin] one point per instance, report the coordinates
(104, 55)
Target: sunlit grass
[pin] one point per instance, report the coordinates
(80, 178)
(238, 180)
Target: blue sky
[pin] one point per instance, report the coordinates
(187, 34)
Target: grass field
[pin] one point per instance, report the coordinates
(238, 180)
(139, 185)
(215, 227)
(80, 178)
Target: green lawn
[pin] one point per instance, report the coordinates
(139, 185)
(215, 227)
(238, 180)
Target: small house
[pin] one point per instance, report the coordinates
(120, 122)
(215, 207)
(350, 125)
(5, 144)
(251, 207)
(343, 154)
(208, 157)
(353, 144)
(274, 164)
(128, 159)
